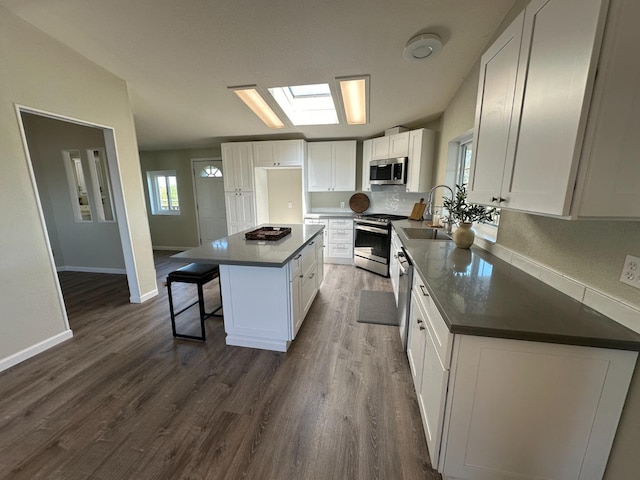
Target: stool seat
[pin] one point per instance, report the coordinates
(200, 274)
(194, 273)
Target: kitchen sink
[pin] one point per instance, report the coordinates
(425, 234)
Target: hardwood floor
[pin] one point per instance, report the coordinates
(123, 400)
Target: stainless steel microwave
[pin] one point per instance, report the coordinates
(390, 171)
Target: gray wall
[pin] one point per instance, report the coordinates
(85, 244)
(592, 252)
(41, 73)
(175, 231)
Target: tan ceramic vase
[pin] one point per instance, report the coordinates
(464, 236)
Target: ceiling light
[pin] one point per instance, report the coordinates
(355, 94)
(252, 98)
(421, 47)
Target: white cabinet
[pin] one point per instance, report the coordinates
(266, 306)
(496, 408)
(367, 156)
(280, 153)
(325, 235)
(530, 410)
(421, 153)
(237, 167)
(240, 211)
(307, 273)
(331, 166)
(391, 146)
(527, 157)
(609, 175)
(340, 241)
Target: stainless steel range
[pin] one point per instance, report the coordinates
(372, 242)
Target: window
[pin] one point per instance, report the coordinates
(211, 171)
(163, 192)
(80, 199)
(488, 230)
(307, 104)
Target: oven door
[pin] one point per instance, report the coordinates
(372, 242)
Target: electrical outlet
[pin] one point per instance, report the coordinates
(341, 204)
(631, 271)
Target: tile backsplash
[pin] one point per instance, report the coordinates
(383, 199)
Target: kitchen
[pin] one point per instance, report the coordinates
(547, 242)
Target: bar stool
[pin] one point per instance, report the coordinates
(200, 274)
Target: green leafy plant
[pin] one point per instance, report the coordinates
(463, 212)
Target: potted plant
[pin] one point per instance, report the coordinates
(464, 214)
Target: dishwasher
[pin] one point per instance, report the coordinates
(405, 281)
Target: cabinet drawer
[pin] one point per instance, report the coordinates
(340, 236)
(442, 337)
(344, 224)
(316, 221)
(343, 250)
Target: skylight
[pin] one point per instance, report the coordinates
(307, 104)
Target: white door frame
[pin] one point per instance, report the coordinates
(118, 200)
(195, 193)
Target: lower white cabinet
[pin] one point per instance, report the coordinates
(337, 240)
(502, 409)
(394, 263)
(240, 211)
(280, 299)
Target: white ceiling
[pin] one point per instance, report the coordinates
(179, 57)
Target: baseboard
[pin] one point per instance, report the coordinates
(145, 297)
(33, 350)
(115, 271)
(177, 249)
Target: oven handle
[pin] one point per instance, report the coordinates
(382, 231)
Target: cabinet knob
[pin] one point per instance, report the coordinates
(498, 199)
(424, 292)
(420, 324)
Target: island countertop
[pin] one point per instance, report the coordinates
(236, 250)
(479, 294)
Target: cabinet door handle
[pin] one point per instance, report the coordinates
(421, 324)
(424, 292)
(312, 275)
(301, 276)
(498, 199)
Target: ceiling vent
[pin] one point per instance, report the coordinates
(422, 47)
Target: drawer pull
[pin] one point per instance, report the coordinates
(312, 275)
(424, 292)
(297, 256)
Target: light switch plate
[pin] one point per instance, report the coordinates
(631, 271)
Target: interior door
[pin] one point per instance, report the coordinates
(210, 206)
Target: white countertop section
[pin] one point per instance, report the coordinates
(236, 250)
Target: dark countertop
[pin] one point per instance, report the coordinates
(236, 250)
(479, 294)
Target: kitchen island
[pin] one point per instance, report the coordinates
(267, 287)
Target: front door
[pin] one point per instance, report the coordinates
(209, 186)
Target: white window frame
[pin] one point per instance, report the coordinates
(154, 193)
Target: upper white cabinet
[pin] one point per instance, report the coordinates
(421, 151)
(237, 167)
(331, 166)
(391, 146)
(281, 153)
(494, 107)
(551, 76)
(367, 156)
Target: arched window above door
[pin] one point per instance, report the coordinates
(211, 171)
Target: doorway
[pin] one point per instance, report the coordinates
(119, 238)
(208, 187)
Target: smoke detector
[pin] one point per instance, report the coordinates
(422, 47)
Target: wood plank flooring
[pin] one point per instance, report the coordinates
(123, 400)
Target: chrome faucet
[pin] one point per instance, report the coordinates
(430, 204)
